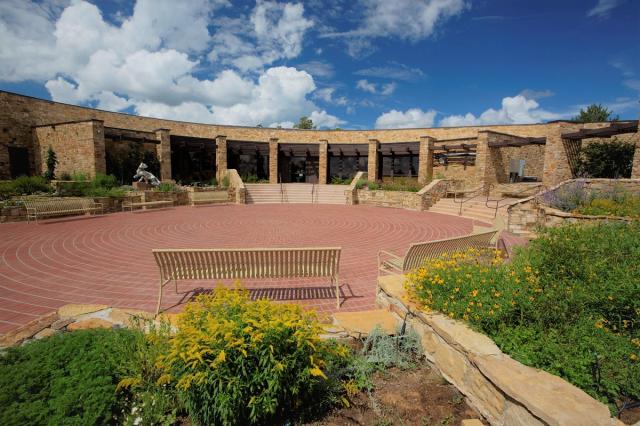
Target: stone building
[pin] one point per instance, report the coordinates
(91, 141)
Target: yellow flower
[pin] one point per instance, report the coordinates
(633, 357)
(474, 293)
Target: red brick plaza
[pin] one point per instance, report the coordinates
(107, 259)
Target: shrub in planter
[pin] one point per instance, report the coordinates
(25, 185)
(237, 361)
(69, 378)
(568, 303)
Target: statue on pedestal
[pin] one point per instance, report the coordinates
(144, 176)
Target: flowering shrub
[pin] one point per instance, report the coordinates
(568, 303)
(236, 361)
(577, 198)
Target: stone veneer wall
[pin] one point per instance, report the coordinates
(79, 147)
(503, 390)
(398, 199)
(19, 113)
(529, 214)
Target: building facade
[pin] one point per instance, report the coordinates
(91, 141)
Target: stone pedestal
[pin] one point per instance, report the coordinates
(142, 186)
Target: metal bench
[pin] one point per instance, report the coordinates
(217, 264)
(130, 204)
(419, 252)
(59, 206)
(208, 197)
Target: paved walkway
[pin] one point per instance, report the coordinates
(107, 259)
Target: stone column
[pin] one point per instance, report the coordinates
(635, 168)
(559, 154)
(372, 168)
(99, 149)
(323, 166)
(221, 157)
(482, 156)
(163, 152)
(425, 161)
(273, 160)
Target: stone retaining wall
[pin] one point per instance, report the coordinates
(529, 214)
(398, 199)
(503, 390)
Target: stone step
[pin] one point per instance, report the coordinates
(361, 323)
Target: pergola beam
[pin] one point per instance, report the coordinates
(518, 143)
(615, 128)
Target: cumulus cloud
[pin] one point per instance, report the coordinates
(536, 94)
(324, 120)
(394, 70)
(153, 61)
(514, 110)
(411, 20)
(414, 117)
(272, 32)
(384, 89)
(603, 8)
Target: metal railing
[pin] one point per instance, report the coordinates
(539, 188)
(483, 189)
(281, 189)
(313, 190)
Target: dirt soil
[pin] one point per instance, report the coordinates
(414, 397)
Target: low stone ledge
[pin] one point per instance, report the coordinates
(503, 390)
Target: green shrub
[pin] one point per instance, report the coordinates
(239, 362)
(69, 378)
(373, 185)
(361, 183)
(628, 207)
(52, 161)
(168, 187)
(337, 180)
(610, 159)
(26, 185)
(226, 181)
(568, 303)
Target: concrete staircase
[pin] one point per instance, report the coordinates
(474, 209)
(295, 193)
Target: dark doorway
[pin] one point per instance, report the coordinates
(400, 160)
(193, 160)
(298, 163)
(347, 160)
(19, 161)
(250, 159)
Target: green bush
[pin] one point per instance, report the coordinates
(611, 159)
(100, 186)
(168, 187)
(69, 378)
(239, 362)
(361, 183)
(337, 180)
(25, 185)
(568, 303)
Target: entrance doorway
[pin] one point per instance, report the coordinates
(298, 163)
(19, 161)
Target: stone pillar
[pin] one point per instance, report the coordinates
(323, 166)
(635, 168)
(482, 157)
(273, 160)
(99, 149)
(425, 161)
(372, 169)
(221, 157)
(559, 154)
(163, 152)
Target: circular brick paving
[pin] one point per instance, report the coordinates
(107, 259)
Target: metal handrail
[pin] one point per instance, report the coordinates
(281, 189)
(313, 188)
(476, 193)
(497, 206)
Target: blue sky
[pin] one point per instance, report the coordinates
(350, 64)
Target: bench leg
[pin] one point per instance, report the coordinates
(159, 298)
(337, 292)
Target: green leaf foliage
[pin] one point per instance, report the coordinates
(66, 379)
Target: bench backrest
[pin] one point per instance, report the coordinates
(419, 252)
(210, 195)
(198, 264)
(59, 204)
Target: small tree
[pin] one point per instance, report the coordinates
(304, 123)
(611, 160)
(52, 160)
(595, 113)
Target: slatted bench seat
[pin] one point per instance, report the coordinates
(60, 206)
(419, 252)
(252, 263)
(131, 205)
(209, 197)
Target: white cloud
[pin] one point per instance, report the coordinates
(515, 110)
(152, 61)
(388, 89)
(365, 86)
(318, 68)
(322, 119)
(633, 83)
(411, 20)
(536, 94)
(603, 8)
(410, 118)
(272, 32)
(394, 71)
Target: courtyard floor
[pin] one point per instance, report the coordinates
(107, 259)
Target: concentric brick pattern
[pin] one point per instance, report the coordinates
(107, 259)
